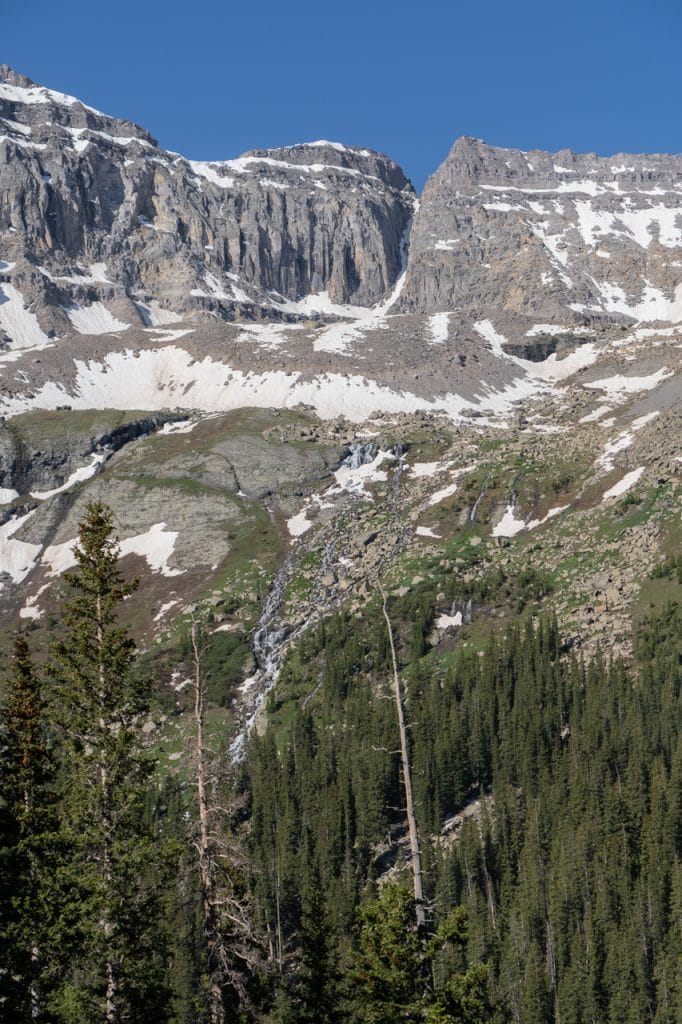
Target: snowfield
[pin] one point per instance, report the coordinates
(168, 376)
(94, 319)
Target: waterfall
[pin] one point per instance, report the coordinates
(268, 645)
(360, 454)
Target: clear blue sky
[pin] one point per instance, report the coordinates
(212, 79)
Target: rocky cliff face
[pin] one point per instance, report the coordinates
(92, 210)
(508, 405)
(558, 237)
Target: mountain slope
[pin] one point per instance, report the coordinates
(480, 382)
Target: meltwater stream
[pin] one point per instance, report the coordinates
(272, 637)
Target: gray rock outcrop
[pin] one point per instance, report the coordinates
(92, 209)
(561, 237)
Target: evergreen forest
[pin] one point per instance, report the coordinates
(546, 791)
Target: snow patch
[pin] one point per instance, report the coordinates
(550, 369)
(181, 427)
(451, 488)
(209, 171)
(155, 315)
(18, 323)
(156, 546)
(623, 441)
(163, 335)
(299, 524)
(164, 609)
(94, 319)
(321, 304)
(619, 385)
(438, 326)
(623, 485)
(653, 305)
(596, 414)
(267, 336)
(427, 468)
(17, 557)
(532, 524)
(84, 473)
(31, 609)
(426, 531)
(510, 526)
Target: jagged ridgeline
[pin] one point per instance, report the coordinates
(292, 389)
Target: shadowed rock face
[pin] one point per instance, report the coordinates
(555, 236)
(80, 189)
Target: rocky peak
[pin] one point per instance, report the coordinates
(84, 190)
(335, 154)
(11, 77)
(45, 111)
(562, 237)
(473, 162)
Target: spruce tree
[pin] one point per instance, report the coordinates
(232, 952)
(402, 975)
(319, 991)
(27, 837)
(111, 870)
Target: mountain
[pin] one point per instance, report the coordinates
(291, 380)
(100, 213)
(312, 400)
(554, 236)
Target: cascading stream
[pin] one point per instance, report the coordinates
(271, 638)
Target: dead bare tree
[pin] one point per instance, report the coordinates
(415, 854)
(233, 948)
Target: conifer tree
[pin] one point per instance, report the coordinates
(27, 833)
(397, 967)
(111, 869)
(319, 993)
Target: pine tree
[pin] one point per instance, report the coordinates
(27, 834)
(389, 969)
(111, 870)
(319, 992)
(404, 976)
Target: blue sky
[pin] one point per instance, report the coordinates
(213, 79)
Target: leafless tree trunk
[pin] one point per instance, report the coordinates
(36, 965)
(415, 854)
(233, 949)
(207, 879)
